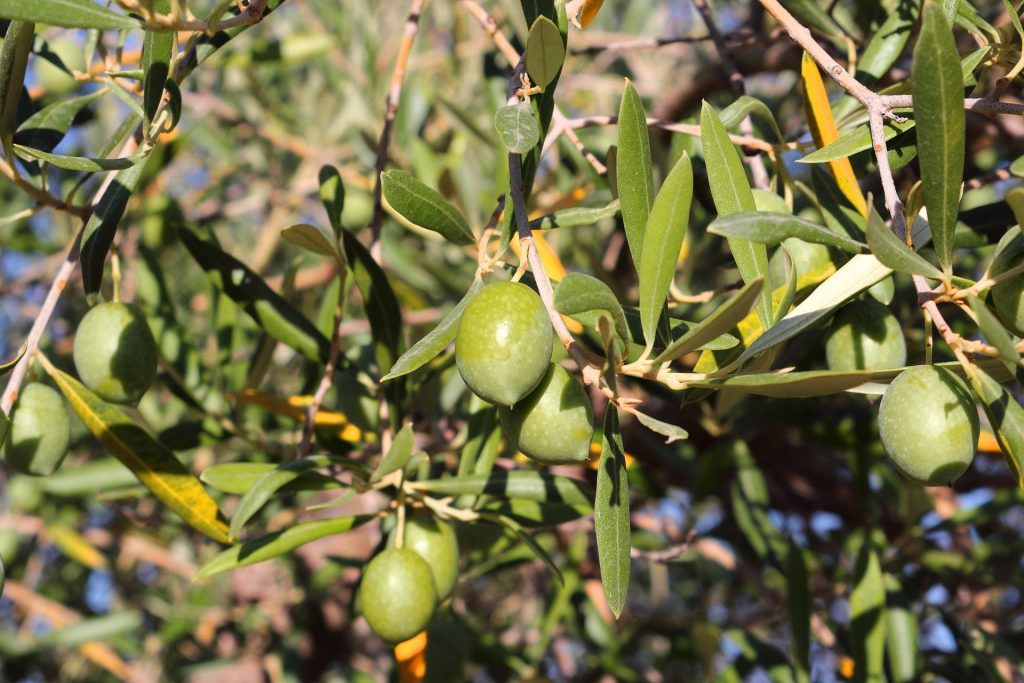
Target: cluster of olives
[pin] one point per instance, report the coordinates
(503, 352)
(116, 357)
(402, 586)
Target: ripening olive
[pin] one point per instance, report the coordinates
(929, 425)
(503, 346)
(434, 540)
(865, 335)
(115, 353)
(555, 423)
(39, 431)
(397, 594)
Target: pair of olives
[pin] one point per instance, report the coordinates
(503, 352)
(116, 357)
(402, 587)
(927, 419)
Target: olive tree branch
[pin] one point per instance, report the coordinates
(165, 23)
(412, 23)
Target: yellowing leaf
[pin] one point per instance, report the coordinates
(589, 11)
(153, 464)
(72, 544)
(295, 407)
(824, 131)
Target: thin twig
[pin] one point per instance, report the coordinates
(165, 23)
(412, 23)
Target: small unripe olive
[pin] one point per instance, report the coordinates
(865, 335)
(434, 540)
(555, 423)
(39, 431)
(929, 425)
(115, 353)
(397, 594)
(807, 258)
(503, 345)
(1008, 299)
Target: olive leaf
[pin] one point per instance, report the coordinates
(517, 127)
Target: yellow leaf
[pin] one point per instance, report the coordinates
(295, 408)
(72, 544)
(412, 658)
(153, 464)
(824, 131)
(589, 11)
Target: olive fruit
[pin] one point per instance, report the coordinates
(555, 423)
(434, 541)
(929, 425)
(397, 594)
(865, 335)
(115, 353)
(39, 431)
(503, 345)
(807, 258)
(1008, 299)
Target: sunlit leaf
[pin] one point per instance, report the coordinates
(544, 51)
(611, 515)
(67, 13)
(633, 175)
(772, 228)
(517, 127)
(423, 207)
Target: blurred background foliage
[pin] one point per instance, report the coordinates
(101, 578)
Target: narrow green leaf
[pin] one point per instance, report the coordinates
(611, 515)
(380, 302)
(397, 456)
(46, 128)
(99, 232)
(853, 277)
(517, 127)
(153, 464)
(798, 603)
(312, 238)
(578, 293)
(532, 513)
(272, 313)
(268, 485)
(789, 294)
(527, 484)
(13, 61)
(772, 228)
(67, 13)
(531, 543)
(730, 190)
(435, 341)
(237, 478)
(278, 543)
(5, 425)
(745, 106)
(901, 634)
(633, 175)
(857, 140)
(576, 216)
(545, 52)
(156, 60)
(939, 108)
(7, 366)
(792, 384)
(423, 207)
(332, 196)
(867, 618)
(725, 317)
(893, 252)
(1006, 416)
(887, 43)
(73, 163)
(663, 237)
(96, 629)
(994, 332)
(671, 432)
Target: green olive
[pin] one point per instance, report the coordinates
(397, 594)
(865, 335)
(115, 353)
(503, 346)
(807, 258)
(929, 425)
(434, 540)
(39, 431)
(55, 81)
(555, 423)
